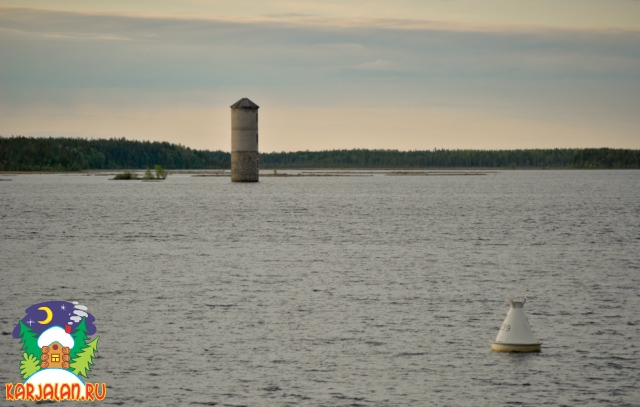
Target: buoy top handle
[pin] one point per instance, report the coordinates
(517, 302)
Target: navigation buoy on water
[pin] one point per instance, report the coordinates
(515, 334)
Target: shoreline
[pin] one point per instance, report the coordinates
(360, 171)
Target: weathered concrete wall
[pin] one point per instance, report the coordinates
(244, 141)
(244, 166)
(244, 130)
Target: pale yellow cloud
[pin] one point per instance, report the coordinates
(419, 128)
(291, 128)
(617, 14)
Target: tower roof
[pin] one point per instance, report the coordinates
(244, 103)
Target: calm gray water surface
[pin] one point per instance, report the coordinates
(335, 291)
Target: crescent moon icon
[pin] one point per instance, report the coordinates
(49, 315)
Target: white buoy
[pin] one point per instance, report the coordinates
(515, 334)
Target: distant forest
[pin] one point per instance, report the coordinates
(74, 154)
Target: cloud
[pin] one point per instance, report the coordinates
(378, 65)
(289, 15)
(47, 49)
(183, 52)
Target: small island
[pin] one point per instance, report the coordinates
(159, 174)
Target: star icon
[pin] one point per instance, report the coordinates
(62, 307)
(30, 321)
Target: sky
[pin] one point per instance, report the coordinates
(407, 75)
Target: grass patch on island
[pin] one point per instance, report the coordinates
(126, 176)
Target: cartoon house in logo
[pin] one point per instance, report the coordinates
(55, 338)
(55, 344)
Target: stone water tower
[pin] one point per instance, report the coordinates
(244, 141)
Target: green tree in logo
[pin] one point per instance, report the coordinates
(81, 365)
(29, 341)
(79, 339)
(29, 365)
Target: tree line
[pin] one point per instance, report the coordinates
(535, 158)
(75, 154)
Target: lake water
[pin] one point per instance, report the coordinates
(335, 291)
